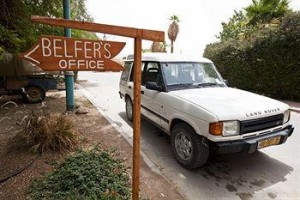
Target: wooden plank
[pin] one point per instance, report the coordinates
(137, 116)
(158, 36)
(54, 53)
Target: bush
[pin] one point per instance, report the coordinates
(48, 132)
(268, 64)
(90, 174)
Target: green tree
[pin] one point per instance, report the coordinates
(237, 27)
(79, 13)
(268, 65)
(14, 26)
(173, 30)
(263, 11)
(245, 24)
(17, 33)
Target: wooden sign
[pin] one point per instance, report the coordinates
(54, 53)
(138, 35)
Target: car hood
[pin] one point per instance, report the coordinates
(230, 103)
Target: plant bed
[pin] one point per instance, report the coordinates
(92, 174)
(93, 130)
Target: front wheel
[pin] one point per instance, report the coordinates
(34, 94)
(129, 109)
(189, 149)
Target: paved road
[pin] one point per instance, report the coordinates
(272, 173)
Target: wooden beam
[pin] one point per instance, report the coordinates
(137, 116)
(138, 35)
(158, 36)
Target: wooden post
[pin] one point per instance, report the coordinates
(138, 35)
(137, 115)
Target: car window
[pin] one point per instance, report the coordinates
(125, 73)
(195, 74)
(209, 70)
(132, 71)
(179, 73)
(151, 73)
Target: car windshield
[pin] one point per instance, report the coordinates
(191, 75)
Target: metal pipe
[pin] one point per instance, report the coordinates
(69, 75)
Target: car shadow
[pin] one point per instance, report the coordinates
(239, 175)
(244, 175)
(123, 116)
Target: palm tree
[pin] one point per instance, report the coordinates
(173, 30)
(262, 11)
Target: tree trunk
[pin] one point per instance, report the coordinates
(172, 48)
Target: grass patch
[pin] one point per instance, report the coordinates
(92, 174)
(48, 132)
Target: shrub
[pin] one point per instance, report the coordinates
(268, 64)
(90, 174)
(48, 132)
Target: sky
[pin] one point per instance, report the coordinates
(200, 21)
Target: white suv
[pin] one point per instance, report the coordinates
(188, 99)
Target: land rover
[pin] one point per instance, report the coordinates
(189, 100)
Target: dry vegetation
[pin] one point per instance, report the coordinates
(50, 131)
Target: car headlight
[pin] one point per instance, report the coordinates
(228, 128)
(286, 116)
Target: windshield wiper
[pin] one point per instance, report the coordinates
(195, 84)
(209, 84)
(181, 84)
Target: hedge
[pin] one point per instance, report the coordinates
(269, 64)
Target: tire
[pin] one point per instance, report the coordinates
(129, 109)
(189, 149)
(34, 94)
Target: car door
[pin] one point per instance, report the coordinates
(127, 79)
(151, 106)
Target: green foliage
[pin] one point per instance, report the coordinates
(263, 11)
(14, 25)
(236, 28)
(174, 18)
(93, 174)
(268, 64)
(244, 25)
(18, 34)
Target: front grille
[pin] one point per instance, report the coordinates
(254, 125)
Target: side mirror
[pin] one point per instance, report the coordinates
(226, 82)
(153, 86)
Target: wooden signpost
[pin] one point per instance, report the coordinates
(59, 53)
(54, 53)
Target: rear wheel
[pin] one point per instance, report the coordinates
(34, 94)
(129, 109)
(189, 149)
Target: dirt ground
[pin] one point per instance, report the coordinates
(93, 127)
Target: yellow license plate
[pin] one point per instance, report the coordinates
(268, 142)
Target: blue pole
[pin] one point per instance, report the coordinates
(69, 75)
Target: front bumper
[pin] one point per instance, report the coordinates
(250, 145)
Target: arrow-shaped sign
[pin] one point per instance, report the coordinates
(70, 54)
